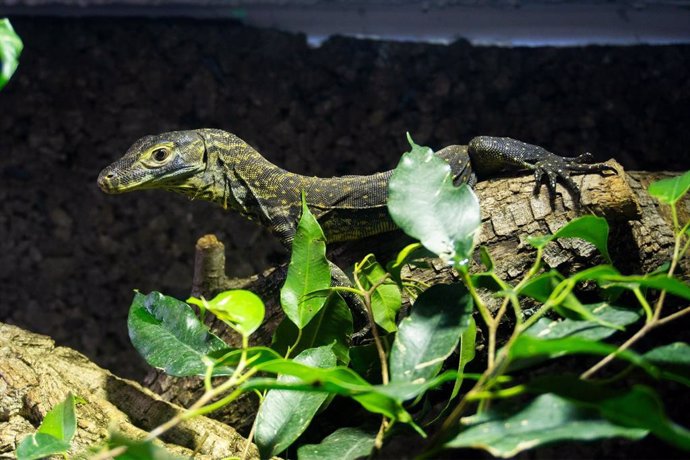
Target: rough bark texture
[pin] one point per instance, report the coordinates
(640, 240)
(35, 375)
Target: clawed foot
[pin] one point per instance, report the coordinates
(557, 168)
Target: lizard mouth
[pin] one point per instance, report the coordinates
(107, 181)
(113, 180)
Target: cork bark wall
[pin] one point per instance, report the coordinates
(87, 88)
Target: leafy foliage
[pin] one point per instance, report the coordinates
(391, 375)
(331, 326)
(385, 299)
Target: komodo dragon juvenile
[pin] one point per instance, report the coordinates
(218, 166)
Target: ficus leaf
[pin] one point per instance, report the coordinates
(284, 415)
(386, 299)
(168, 335)
(54, 435)
(511, 427)
(342, 444)
(430, 333)
(240, 309)
(425, 204)
(670, 190)
(304, 292)
(592, 229)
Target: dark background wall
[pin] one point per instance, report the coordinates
(88, 88)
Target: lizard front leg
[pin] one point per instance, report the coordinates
(493, 154)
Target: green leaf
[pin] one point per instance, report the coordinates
(546, 328)
(338, 380)
(541, 286)
(430, 334)
(660, 282)
(308, 272)
(673, 360)
(10, 48)
(364, 360)
(467, 353)
(342, 444)
(509, 428)
(638, 407)
(332, 325)
(61, 421)
(40, 445)
(284, 415)
(425, 204)
(486, 259)
(255, 356)
(490, 281)
(592, 229)
(551, 287)
(241, 310)
(168, 335)
(532, 349)
(670, 190)
(54, 435)
(386, 299)
(408, 254)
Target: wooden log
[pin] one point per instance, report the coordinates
(35, 375)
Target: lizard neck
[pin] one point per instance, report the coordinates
(239, 178)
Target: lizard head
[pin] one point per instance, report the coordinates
(166, 161)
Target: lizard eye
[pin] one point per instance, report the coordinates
(160, 155)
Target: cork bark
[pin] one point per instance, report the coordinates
(35, 375)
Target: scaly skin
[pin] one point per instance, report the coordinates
(217, 166)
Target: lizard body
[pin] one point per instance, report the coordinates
(218, 166)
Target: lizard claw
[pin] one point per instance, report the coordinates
(584, 158)
(558, 168)
(555, 168)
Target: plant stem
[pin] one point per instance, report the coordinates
(673, 316)
(370, 314)
(483, 310)
(627, 344)
(655, 320)
(378, 442)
